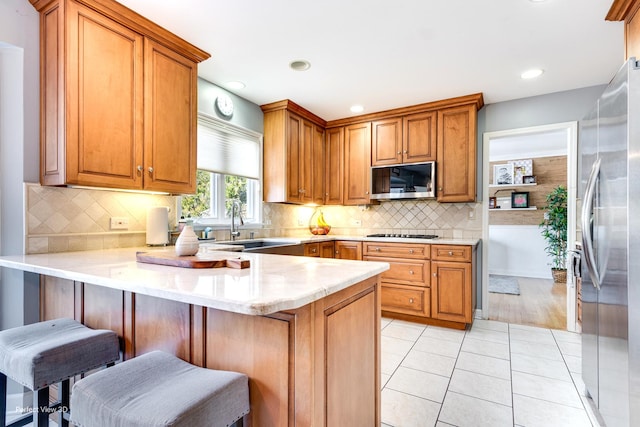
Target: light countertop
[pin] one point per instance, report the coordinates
(272, 283)
(325, 238)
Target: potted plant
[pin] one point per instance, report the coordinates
(554, 231)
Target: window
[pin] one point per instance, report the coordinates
(229, 168)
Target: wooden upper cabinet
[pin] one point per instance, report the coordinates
(386, 142)
(419, 137)
(357, 164)
(334, 166)
(170, 114)
(408, 139)
(457, 154)
(627, 11)
(107, 120)
(293, 154)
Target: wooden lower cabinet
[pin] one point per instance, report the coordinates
(405, 299)
(348, 249)
(319, 249)
(405, 286)
(316, 365)
(453, 287)
(426, 283)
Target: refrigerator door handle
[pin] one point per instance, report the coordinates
(587, 238)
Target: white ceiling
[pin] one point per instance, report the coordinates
(386, 54)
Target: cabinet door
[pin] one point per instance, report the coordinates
(169, 120)
(316, 160)
(386, 142)
(293, 147)
(456, 168)
(348, 250)
(357, 164)
(326, 250)
(451, 289)
(306, 163)
(104, 83)
(334, 172)
(419, 137)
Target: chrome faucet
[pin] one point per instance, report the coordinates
(235, 210)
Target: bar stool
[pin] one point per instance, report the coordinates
(45, 353)
(158, 389)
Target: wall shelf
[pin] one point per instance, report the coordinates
(531, 208)
(511, 185)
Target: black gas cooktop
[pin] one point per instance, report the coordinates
(406, 236)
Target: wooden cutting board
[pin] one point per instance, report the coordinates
(203, 260)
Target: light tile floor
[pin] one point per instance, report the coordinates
(495, 374)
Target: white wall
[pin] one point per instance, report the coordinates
(19, 153)
(518, 250)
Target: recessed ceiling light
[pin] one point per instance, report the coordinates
(357, 108)
(532, 74)
(236, 85)
(300, 65)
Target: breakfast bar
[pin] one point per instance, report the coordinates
(305, 330)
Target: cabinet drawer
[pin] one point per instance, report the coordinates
(312, 249)
(398, 250)
(405, 271)
(405, 299)
(451, 253)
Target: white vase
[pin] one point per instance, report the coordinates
(187, 242)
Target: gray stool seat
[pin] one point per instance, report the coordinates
(42, 354)
(45, 353)
(158, 389)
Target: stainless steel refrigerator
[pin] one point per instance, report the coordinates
(609, 172)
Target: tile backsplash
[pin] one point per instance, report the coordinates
(61, 219)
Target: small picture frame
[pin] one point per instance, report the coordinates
(529, 179)
(519, 199)
(518, 173)
(492, 203)
(503, 174)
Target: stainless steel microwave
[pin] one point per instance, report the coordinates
(410, 181)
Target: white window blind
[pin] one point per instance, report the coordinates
(227, 149)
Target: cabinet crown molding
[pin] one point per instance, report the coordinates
(287, 104)
(622, 9)
(127, 17)
(476, 99)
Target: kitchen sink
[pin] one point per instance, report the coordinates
(269, 246)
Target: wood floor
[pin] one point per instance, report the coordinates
(540, 303)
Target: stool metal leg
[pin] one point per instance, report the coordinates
(63, 409)
(20, 421)
(41, 401)
(3, 403)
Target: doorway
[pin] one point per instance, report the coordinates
(512, 244)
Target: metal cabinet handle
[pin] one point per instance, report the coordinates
(377, 249)
(450, 253)
(150, 169)
(366, 192)
(587, 238)
(410, 300)
(435, 274)
(399, 152)
(139, 168)
(410, 271)
(410, 251)
(405, 151)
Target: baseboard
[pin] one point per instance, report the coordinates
(477, 314)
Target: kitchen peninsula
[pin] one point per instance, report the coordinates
(305, 330)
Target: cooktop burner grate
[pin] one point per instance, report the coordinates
(406, 236)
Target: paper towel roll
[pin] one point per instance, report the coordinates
(158, 225)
